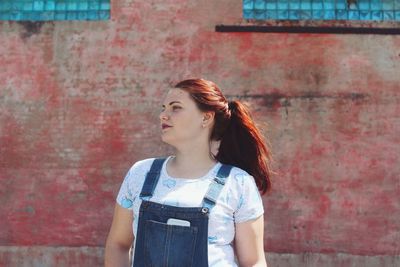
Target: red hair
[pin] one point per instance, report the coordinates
(241, 143)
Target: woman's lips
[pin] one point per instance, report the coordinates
(165, 126)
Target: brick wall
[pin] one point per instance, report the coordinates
(79, 103)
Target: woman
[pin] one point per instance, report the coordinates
(200, 207)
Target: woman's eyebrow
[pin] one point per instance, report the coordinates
(172, 102)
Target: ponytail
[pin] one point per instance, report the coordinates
(242, 145)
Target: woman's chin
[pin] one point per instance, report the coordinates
(167, 140)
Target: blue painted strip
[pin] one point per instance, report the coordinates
(360, 10)
(47, 10)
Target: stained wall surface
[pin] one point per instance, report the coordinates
(79, 104)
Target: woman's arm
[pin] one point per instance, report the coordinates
(119, 239)
(249, 243)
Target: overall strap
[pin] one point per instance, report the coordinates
(216, 186)
(151, 179)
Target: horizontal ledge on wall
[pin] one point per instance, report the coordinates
(306, 29)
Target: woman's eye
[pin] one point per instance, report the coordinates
(176, 107)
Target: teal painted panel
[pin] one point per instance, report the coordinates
(362, 10)
(46, 10)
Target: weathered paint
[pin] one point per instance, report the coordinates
(79, 103)
(35, 256)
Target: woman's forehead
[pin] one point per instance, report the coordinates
(176, 94)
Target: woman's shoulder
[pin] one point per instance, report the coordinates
(243, 195)
(239, 178)
(142, 162)
(238, 172)
(141, 166)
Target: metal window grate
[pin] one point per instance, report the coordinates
(362, 10)
(44, 10)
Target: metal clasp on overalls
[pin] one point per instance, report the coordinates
(205, 210)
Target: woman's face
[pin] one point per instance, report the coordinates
(181, 120)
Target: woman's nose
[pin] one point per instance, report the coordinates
(163, 115)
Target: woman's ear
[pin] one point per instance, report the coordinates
(208, 118)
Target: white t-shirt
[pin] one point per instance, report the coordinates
(239, 201)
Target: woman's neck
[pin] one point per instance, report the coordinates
(192, 162)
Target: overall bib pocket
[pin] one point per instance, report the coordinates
(169, 245)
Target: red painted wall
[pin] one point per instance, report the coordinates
(79, 104)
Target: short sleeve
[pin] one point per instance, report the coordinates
(132, 184)
(125, 196)
(250, 205)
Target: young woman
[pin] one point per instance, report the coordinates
(201, 206)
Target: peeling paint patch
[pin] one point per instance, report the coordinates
(31, 28)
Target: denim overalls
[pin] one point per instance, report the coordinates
(162, 244)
